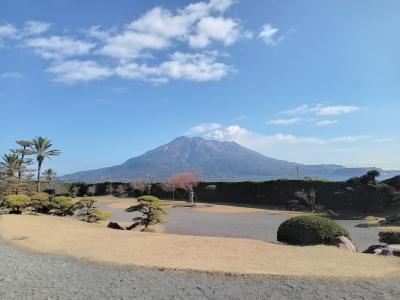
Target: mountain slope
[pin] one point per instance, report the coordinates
(211, 160)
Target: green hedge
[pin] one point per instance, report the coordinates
(389, 237)
(309, 230)
(276, 193)
(16, 203)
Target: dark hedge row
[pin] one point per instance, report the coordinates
(352, 195)
(389, 237)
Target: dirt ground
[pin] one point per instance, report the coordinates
(212, 254)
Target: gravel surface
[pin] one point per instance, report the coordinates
(25, 275)
(258, 225)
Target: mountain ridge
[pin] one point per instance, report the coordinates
(212, 160)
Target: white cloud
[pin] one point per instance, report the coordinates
(197, 67)
(35, 27)
(250, 139)
(158, 46)
(268, 35)
(284, 121)
(131, 44)
(220, 29)
(259, 141)
(303, 109)
(205, 127)
(322, 110)
(8, 30)
(349, 139)
(336, 110)
(59, 47)
(73, 71)
(97, 33)
(220, 5)
(11, 75)
(160, 28)
(324, 123)
(162, 22)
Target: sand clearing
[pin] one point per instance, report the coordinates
(221, 208)
(97, 243)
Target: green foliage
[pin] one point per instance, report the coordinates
(16, 203)
(10, 162)
(151, 210)
(312, 179)
(40, 202)
(62, 206)
(308, 198)
(91, 190)
(89, 212)
(41, 148)
(309, 230)
(389, 237)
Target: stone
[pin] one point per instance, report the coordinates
(390, 250)
(343, 243)
(371, 249)
(133, 226)
(391, 220)
(114, 225)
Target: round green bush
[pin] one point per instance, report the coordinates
(40, 202)
(16, 203)
(389, 237)
(62, 206)
(309, 230)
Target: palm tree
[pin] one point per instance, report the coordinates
(24, 151)
(49, 174)
(10, 163)
(41, 147)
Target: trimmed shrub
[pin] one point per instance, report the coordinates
(16, 203)
(310, 230)
(62, 206)
(40, 202)
(89, 212)
(389, 237)
(150, 209)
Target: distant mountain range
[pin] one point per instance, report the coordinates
(213, 161)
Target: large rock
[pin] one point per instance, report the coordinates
(391, 220)
(372, 249)
(114, 225)
(343, 243)
(389, 250)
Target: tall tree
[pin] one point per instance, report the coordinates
(10, 163)
(41, 147)
(23, 151)
(187, 181)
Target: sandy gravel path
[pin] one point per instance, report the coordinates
(25, 275)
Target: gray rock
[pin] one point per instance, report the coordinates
(371, 249)
(389, 250)
(114, 225)
(391, 220)
(343, 243)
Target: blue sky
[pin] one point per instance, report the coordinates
(306, 81)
